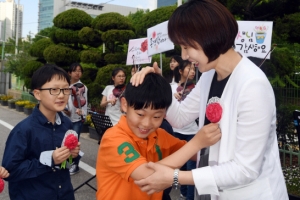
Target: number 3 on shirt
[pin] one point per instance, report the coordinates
(130, 152)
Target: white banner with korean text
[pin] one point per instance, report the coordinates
(138, 52)
(158, 39)
(254, 38)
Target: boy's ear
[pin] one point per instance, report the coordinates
(36, 94)
(123, 104)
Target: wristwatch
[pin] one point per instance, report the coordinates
(176, 185)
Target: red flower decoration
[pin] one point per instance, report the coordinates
(214, 112)
(1, 185)
(144, 46)
(71, 141)
(154, 34)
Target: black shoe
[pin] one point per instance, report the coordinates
(74, 169)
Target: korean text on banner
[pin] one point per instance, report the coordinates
(137, 52)
(254, 38)
(159, 39)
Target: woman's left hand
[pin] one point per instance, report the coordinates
(161, 179)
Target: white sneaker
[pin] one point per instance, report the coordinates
(74, 169)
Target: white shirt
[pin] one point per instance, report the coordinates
(114, 112)
(190, 129)
(244, 164)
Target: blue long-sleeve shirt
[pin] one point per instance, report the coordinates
(29, 178)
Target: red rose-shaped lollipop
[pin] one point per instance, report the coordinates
(214, 110)
(71, 141)
(1, 185)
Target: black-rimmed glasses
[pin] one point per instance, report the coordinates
(57, 91)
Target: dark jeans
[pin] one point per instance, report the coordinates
(77, 127)
(187, 190)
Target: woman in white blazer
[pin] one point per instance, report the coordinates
(245, 163)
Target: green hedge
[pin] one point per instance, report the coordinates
(112, 20)
(74, 19)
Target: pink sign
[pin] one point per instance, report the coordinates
(138, 52)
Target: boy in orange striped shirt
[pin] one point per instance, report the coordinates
(127, 147)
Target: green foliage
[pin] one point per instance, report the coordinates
(15, 63)
(90, 37)
(165, 63)
(61, 55)
(90, 56)
(104, 74)
(114, 58)
(65, 36)
(153, 18)
(74, 19)
(136, 17)
(112, 20)
(28, 70)
(285, 124)
(281, 63)
(288, 27)
(31, 67)
(89, 74)
(123, 36)
(94, 90)
(37, 48)
(46, 32)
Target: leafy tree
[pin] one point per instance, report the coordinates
(288, 27)
(153, 18)
(116, 31)
(37, 48)
(90, 37)
(44, 33)
(73, 19)
(61, 55)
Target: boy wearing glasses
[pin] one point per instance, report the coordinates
(33, 152)
(76, 108)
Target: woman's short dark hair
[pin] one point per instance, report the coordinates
(155, 92)
(46, 73)
(73, 67)
(206, 22)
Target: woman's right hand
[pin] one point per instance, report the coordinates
(139, 76)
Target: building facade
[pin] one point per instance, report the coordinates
(11, 16)
(48, 9)
(161, 3)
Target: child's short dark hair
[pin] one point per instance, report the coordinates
(73, 67)
(155, 92)
(45, 74)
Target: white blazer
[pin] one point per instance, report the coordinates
(245, 163)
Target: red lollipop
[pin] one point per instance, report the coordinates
(1, 185)
(214, 110)
(71, 141)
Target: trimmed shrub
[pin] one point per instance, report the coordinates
(74, 19)
(123, 36)
(90, 37)
(113, 58)
(61, 55)
(65, 36)
(90, 56)
(112, 20)
(31, 67)
(37, 48)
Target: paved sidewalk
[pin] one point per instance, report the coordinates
(88, 146)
